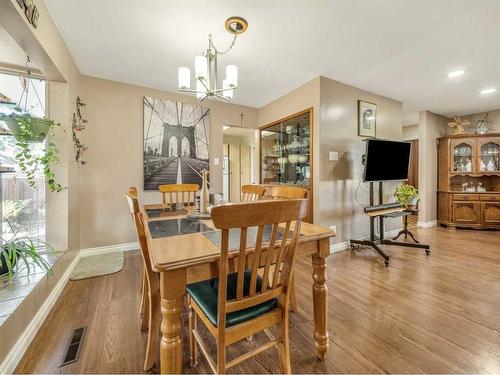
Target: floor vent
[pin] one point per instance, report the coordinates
(73, 352)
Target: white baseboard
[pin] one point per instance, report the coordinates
(109, 249)
(16, 353)
(426, 224)
(341, 246)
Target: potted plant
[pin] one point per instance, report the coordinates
(407, 195)
(21, 250)
(25, 127)
(28, 129)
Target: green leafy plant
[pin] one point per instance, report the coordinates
(10, 208)
(28, 129)
(21, 250)
(405, 193)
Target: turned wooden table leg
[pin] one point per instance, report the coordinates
(320, 297)
(172, 289)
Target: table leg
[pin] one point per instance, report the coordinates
(320, 299)
(172, 289)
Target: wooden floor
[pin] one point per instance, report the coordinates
(432, 314)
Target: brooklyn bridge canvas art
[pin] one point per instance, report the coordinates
(176, 142)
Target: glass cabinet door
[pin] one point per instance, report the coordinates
(489, 156)
(462, 156)
(285, 151)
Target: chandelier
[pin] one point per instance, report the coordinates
(205, 68)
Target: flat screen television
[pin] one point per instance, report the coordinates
(386, 160)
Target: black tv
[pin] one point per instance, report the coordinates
(386, 160)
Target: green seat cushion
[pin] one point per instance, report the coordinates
(204, 293)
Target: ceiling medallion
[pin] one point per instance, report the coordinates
(205, 68)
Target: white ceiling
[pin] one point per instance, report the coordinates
(402, 49)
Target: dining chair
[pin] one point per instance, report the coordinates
(252, 193)
(237, 305)
(144, 298)
(151, 285)
(290, 192)
(183, 193)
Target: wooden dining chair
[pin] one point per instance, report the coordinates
(144, 298)
(237, 305)
(183, 193)
(151, 317)
(252, 193)
(290, 192)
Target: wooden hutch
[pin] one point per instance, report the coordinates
(469, 181)
(286, 153)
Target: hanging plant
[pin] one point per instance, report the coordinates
(29, 129)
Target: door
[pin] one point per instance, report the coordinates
(234, 173)
(463, 156)
(413, 170)
(489, 152)
(491, 213)
(245, 165)
(466, 212)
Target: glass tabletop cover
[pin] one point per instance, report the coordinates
(176, 227)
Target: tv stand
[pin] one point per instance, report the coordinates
(375, 241)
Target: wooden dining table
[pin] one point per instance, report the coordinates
(183, 251)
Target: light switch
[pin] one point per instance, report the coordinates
(333, 156)
(216, 161)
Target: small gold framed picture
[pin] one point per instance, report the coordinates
(367, 119)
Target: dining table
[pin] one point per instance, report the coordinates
(184, 248)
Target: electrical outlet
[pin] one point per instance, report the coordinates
(333, 228)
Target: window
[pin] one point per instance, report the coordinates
(22, 205)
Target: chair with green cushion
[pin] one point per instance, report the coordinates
(240, 304)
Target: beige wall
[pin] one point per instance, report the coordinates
(430, 127)
(410, 132)
(494, 117)
(338, 180)
(335, 129)
(114, 161)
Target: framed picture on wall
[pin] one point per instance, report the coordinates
(367, 119)
(176, 142)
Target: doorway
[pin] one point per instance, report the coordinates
(413, 177)
(239, 161)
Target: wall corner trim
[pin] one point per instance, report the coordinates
(426, 224)
(109, 249)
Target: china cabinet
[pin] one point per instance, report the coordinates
(469, 181)
(286, 153)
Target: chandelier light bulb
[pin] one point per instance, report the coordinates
(200, 90)
(228, 90)
(184, 78)
(232, 75)
(201, 67)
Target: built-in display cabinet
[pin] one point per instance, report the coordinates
(286, 149)
(469, 181)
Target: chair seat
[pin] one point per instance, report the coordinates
(204, 293)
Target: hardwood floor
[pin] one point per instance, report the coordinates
(432, 314)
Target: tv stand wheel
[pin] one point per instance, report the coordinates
(427, 252)
(386, 262)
